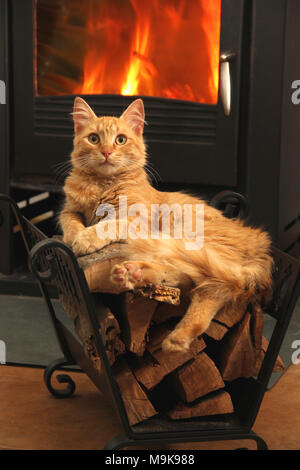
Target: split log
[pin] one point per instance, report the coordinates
(113, 350)
(197, 378)
(109, 326)
(156, 363)
(157, 335)
(244, 348)
(231, 314)
(166, 311)
(109, 330)
(215, 405)
(278, 366)
(256, 327)
(137, 315)
(114, 250)
(216, 330)
(91, 352)
(136, 402)
(238, 355)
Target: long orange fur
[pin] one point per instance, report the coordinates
(233, 267)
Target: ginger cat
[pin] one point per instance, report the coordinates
(108, 159)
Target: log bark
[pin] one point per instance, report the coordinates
(169, 295)
(137, 315)
(110, 331)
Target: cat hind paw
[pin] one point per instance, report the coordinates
(126, 276)
(175, 343)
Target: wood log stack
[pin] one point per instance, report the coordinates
(180, 385)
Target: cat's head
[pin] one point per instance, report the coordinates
(107, 146)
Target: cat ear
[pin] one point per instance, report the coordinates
(82, 114)
(134, 116)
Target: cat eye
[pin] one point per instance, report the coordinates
(121, 139)
(94, 138)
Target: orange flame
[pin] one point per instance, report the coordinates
(137, 63)
(162, 48)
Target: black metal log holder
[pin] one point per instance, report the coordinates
(54, 264)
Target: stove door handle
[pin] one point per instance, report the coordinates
(225, 80)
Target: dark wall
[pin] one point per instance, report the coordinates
(271, 138)
(289, 196)
(5, 238)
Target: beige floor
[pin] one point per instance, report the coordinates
(30, 418)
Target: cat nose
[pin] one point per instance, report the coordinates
(106, 153)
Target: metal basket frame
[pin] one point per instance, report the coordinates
(54, 264)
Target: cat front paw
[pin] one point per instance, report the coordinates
(127, 275)
(86, 242)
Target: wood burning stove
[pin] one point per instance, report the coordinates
(215, 78)
(108, 52)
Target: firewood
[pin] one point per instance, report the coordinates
(109, 325)
(158, 333)
(109, 330)
(197, 378)
(238, 354)
(215, 405)
(91, 352)
(278, 366)
(170, 295)
(137, 405)
(156, 363)
(216, 330)
(231, 314)
(166, 311)
(257, 326)
(114, 250)
(137, 314)
(113, 350)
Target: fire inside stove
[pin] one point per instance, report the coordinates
(159, 48)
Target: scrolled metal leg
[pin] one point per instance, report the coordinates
(61, 378)
(260, 443)
(118, 442)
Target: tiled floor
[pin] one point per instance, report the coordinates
(30, 418)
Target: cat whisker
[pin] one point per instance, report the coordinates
(151, 172)
(148, 166)
(61, 166)
(61, 176)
